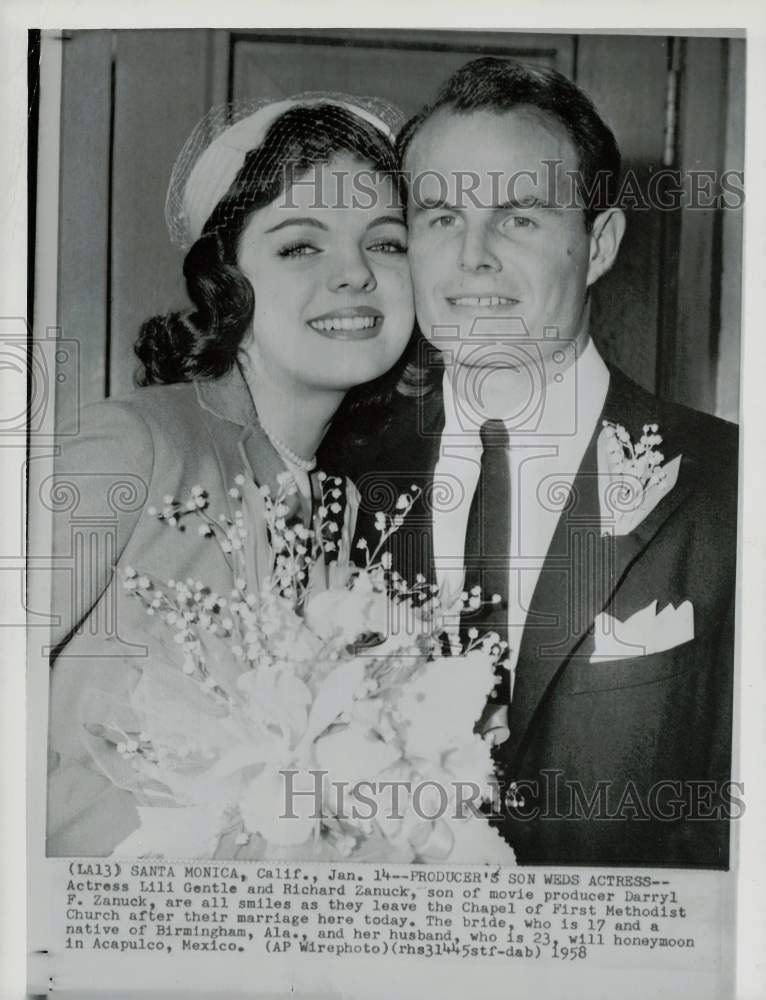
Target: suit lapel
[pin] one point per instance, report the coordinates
(229, 398)
(583, 569)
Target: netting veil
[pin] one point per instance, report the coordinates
(216, 149)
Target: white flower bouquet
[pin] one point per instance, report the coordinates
(315, 713)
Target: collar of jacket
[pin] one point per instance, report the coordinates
(228, 398)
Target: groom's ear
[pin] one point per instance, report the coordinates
(605, 238)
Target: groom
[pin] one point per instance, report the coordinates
(612, 570)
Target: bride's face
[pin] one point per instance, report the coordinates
(327, 262)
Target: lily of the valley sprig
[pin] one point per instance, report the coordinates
(295, 546)
(633, 477)
(639, 460)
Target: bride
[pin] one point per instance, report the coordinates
(300, 290)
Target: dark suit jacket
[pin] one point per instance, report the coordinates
(608, 756)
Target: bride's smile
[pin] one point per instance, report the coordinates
(351, 323)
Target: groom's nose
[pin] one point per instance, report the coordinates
(475, 253)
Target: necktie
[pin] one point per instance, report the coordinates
(488, 543)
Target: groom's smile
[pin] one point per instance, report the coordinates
(481, 301)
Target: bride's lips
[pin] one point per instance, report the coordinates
(350, 323)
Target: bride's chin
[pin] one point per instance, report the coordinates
(351, 381)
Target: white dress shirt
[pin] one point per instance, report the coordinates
(549, 426)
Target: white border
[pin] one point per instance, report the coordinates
(13, 222)
(663, 16)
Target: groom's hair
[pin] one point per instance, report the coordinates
(503, 85)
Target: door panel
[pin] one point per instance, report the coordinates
(83, 292)
(627, 79)
(691, 341)
(404, 67)
(156, 107)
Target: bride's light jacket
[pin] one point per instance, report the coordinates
(126, 457)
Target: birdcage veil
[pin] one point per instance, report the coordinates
(216, 149)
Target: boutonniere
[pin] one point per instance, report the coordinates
(633, 477)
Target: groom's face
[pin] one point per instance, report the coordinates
(499, 249)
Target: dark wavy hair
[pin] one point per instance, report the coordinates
(203, 341)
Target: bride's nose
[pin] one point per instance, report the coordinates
(352, 272)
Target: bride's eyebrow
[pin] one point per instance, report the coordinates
(387, 220)
(305, 221)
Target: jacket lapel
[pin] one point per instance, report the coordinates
(229, 398)
(583, 569)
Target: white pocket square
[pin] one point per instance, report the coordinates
(643, 633)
